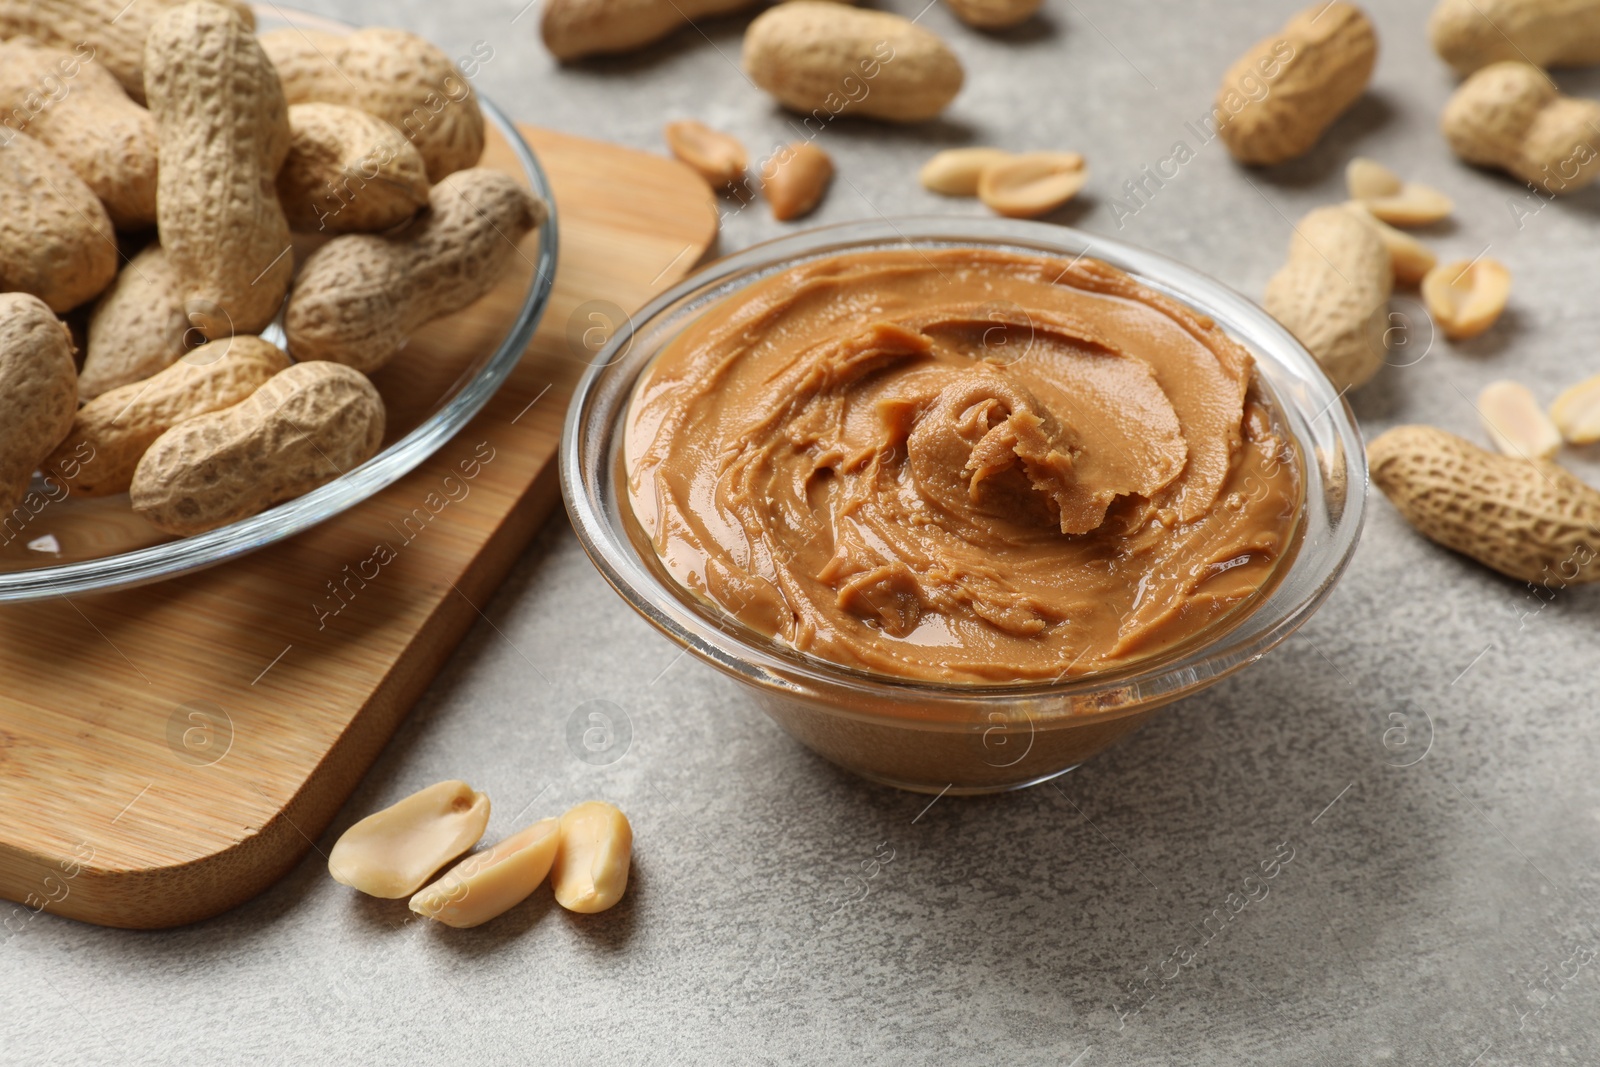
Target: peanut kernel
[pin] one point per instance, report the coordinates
(1465, 298)
(490, 883)
(717, 157)
(794, 180)
(955, 171)
(392, 852)
(591, 866)
(1577, 412)
(1397, 202)
(1516, 423)
(1031, 185)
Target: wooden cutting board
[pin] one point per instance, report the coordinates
(170, 751)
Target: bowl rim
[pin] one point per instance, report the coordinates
(586, 459)
(170, 559)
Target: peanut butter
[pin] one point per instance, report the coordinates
(962, 465)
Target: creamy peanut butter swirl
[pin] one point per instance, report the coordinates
(961, 465)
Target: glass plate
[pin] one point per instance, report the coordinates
(53, 545)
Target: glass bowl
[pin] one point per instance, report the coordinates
(54, 544)
(935, 737)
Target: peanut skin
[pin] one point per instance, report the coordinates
(395, 75)
(349, 172)
(113, 30)
(224, 130)
(138, 326)
(360, 296)
(75, 108)
(56, 240)
(38, 388)
(302, 429)
(112, 431)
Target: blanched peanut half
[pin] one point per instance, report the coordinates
(717, 157)
(392, 852)
(591, 868)
(1577, 412)
(1392, 200)
(494, 881)
(1034, 184)
(955, 171)
(1415, 205)
(1516, 423)
(795, 178)
(1466, 297)
(1368, 179)
(1410, 258)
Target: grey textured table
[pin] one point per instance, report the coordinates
(1418, 768)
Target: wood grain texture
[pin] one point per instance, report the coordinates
(312, 649)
